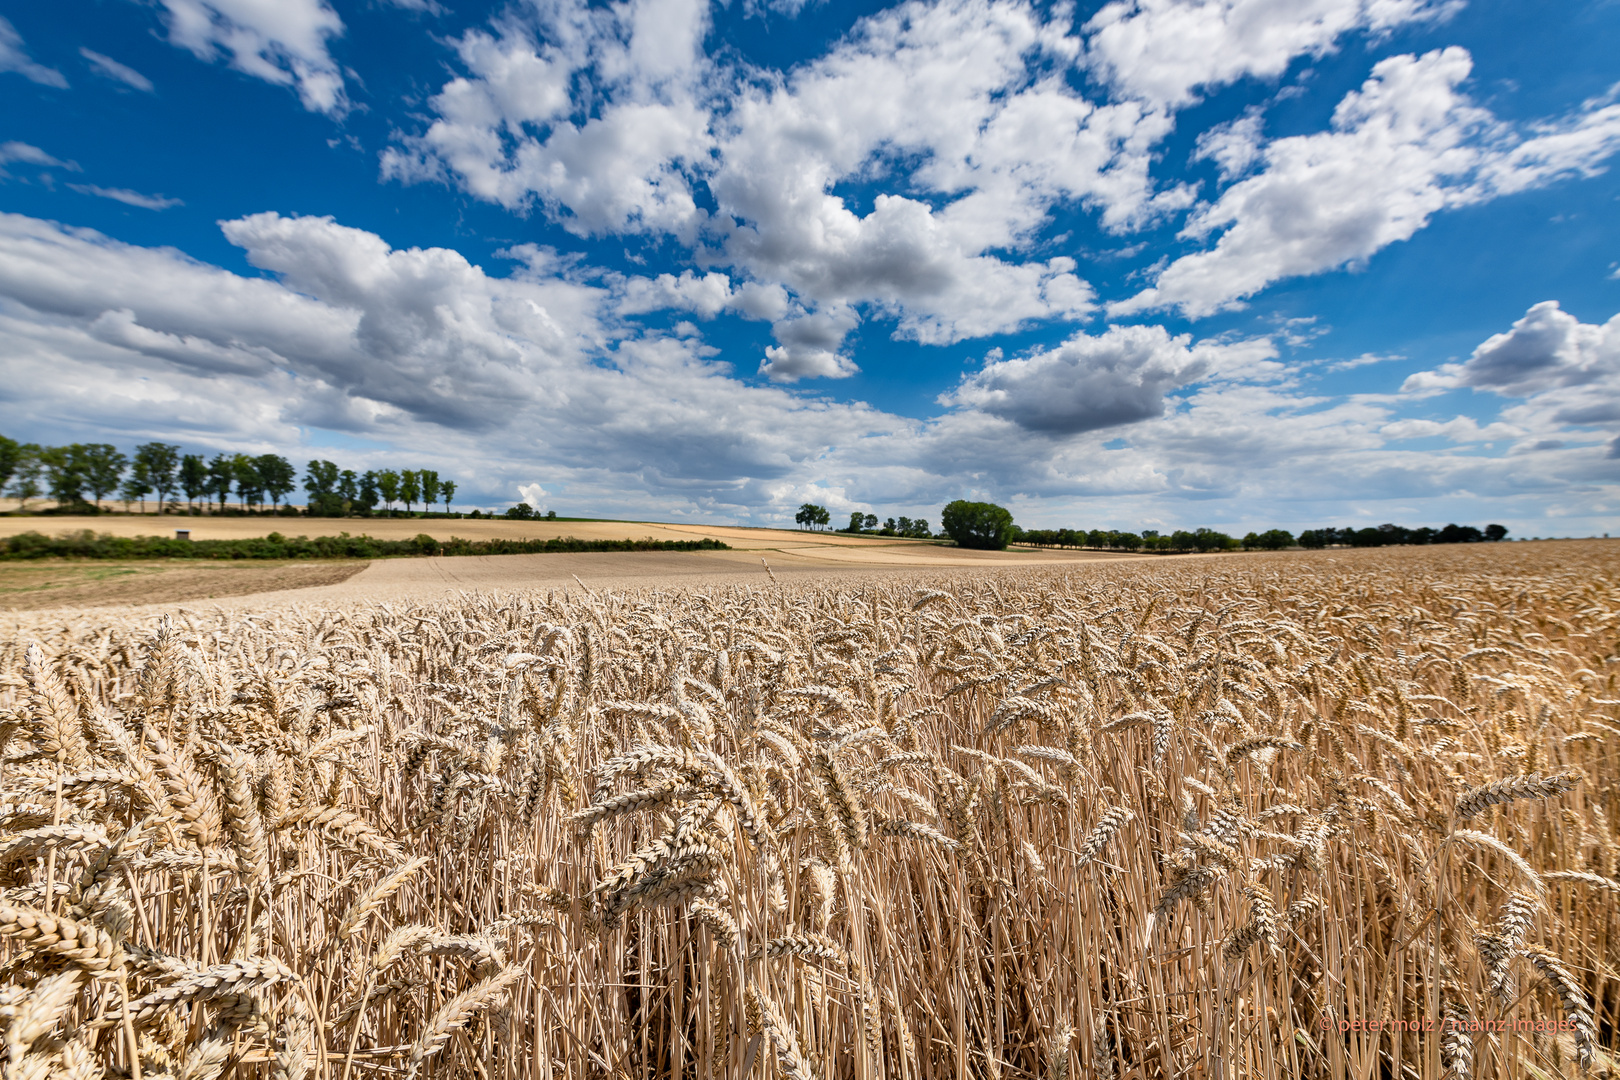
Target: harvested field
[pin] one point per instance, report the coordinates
(49, 583)
(1258, 817)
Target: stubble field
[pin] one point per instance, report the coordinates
(1347, 814)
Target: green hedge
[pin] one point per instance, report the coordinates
(90, 545)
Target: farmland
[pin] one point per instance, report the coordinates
(1300, 815)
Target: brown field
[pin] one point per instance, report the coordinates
(1260, 816)
(70, 583)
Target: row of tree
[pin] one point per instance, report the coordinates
(1270, 540)
(83, 474)
(812, 516)
(335, 492)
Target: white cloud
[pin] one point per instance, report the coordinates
(30, 155)
(1232, 146)
(534, 495)
(1565, 375)
(1403, 147)
(128, 197)
(14, 57)
(1092, 382)
(496, 381)
(1459, 429)
(1164, 51)
(109, 68)
(280, 41)
(511, 131)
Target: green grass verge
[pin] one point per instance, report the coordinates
(91, 545)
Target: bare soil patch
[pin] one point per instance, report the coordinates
(52, 583)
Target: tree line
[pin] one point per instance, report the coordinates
(78, 477)
(1271, 540)
(811, 516)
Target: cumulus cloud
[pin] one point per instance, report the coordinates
(1563, 374)
(1092, 382)
(14, 57)
(1406, 145)
(1548, 349)
(956, 86)
(284, 43)
(128, 197)
(539, 374)
(1164, 51)
(109, 68)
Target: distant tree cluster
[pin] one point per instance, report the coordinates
(911, 528)
(80, 476)
(1386, 535)
(811, 516)
(335, 492)
(524, 512)
(1271, 540)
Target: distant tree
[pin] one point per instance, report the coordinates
(810, 515)
(919, 529)
(321, 483)
(1270, 540)
(856, 519)
(10, 458)
(26, 473)
(278, 476)
(388, 486)
(891, 527)
(100, 466)
(137, 485)
(410, 487)
(869, 523)
(1494, 533)
(162, 462)
(193, 478)
(448, 490)
(430, 488)
(221, 478)
(249, 484)
(64, 474)
(978, 524)
(368, 492)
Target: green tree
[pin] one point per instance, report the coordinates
(430, 488)
(388, 487)
(368, 491)
(102, 466)
(193, 477)
(26, 473)
(249, 484)
(11, 454)
(410, 487)
(1494, 533)
(448, 490)
(856, 520)
(162, 461)
(63, 479)
(810, 515)
(978, 525)
(321, 480)
(221, 478)
(137, 485)
(278, 475)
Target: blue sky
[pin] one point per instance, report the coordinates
(1148, 263)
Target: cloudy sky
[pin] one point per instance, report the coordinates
(1136, 264)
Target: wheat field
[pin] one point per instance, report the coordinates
(1350, 814)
